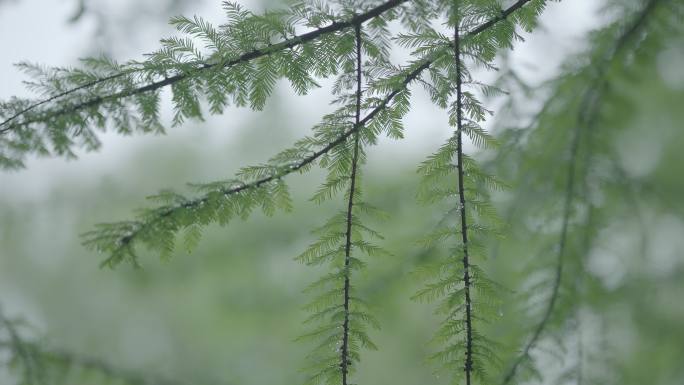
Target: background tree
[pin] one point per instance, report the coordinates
(576, 194)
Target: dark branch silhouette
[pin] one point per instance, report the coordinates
(350, 206)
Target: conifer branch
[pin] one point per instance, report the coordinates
(123, 245)
(246, 57)
(467, 296)
(68, 92)
(289, 43)
(468, 367)
(350, 206)
(338, 144)
(505, 13)
(586, 118)
(127, 98)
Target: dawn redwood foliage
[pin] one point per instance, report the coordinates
(208, 68)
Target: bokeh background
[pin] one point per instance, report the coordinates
(228, 312)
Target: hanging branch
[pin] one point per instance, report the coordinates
(350, 206)
(468, 367)
(586, 118)
(341, 317)
(467, 297)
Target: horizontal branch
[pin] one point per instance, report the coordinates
(55, 97)
(290, 43)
